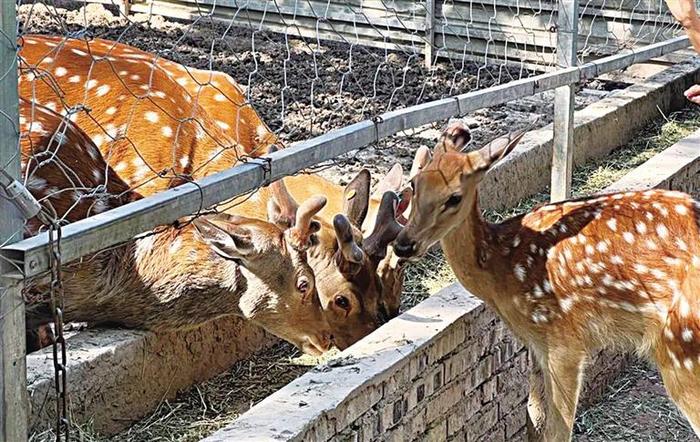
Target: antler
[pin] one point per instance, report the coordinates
(304, 226)
(282, 208)
(350, 252)
(386, 229)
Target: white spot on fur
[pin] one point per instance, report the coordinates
(60, 71)
(589, 250)
(612, 224)
(74, 79)
(629, 237)
(681, 209)
(683, 307)
(566, 304)
(662, 231)
(641, 228)
(659, 274)
(538, 318)
(519, 272)
(91, 84)
(688, 364)
(151, 116)
(687, 335)
(602, 246)
(219, 97)
(616, 259)
(103, 90)
(111, 110)
(167, 131)
(651, 245)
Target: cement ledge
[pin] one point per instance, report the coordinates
(115, 377)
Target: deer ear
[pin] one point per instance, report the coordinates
(225, 236)
(419, 161)
(390, 182)
(356, 198)
(498, 149)
(454, 139)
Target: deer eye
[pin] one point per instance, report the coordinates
(452, 201)
(342, 302)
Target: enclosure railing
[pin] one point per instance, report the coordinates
(32, 256)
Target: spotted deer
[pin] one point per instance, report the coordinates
(171, 278)
(617, 271)
(357, 295)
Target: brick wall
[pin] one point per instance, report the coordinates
(446, 369)
(471, 381)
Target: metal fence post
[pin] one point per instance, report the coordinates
(563, 145)
(429, 32)
(13, 383)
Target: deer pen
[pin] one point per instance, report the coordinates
(187, 184)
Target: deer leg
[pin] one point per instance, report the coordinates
(562, 369)
(535, 401)
(683, 386)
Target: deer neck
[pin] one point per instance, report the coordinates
(470, 250)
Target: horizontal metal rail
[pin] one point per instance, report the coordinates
(122, 224)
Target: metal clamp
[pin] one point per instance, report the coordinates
(20, 196)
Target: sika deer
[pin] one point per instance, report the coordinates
(351, 292)
(174, 278)
(619, 270)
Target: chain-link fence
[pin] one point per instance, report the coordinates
(133, 114)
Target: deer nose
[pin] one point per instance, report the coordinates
(404, 248)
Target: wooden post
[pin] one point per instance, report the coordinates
(13, 379)
(563, 145)
(429, 32)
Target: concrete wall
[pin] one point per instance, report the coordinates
(447, 369)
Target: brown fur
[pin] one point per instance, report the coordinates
(190, 103)
(171, 278)
(613, 271)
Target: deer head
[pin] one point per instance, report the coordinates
(178, 277)
(280, 295)
(445, 191)
(358, 287)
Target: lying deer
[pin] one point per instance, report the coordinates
(137, 97)
(172, 278)
(610, 271)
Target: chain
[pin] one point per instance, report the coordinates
(60, 367)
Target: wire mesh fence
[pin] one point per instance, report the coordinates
(120, 105)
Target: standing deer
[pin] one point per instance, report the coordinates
(138, 97)
(611, 271)
(173, 278)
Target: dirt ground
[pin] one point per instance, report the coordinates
(279, 76)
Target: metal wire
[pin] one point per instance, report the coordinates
(305, 66)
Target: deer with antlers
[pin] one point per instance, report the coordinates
(172, 278)
(615, 271)
(147, 101)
